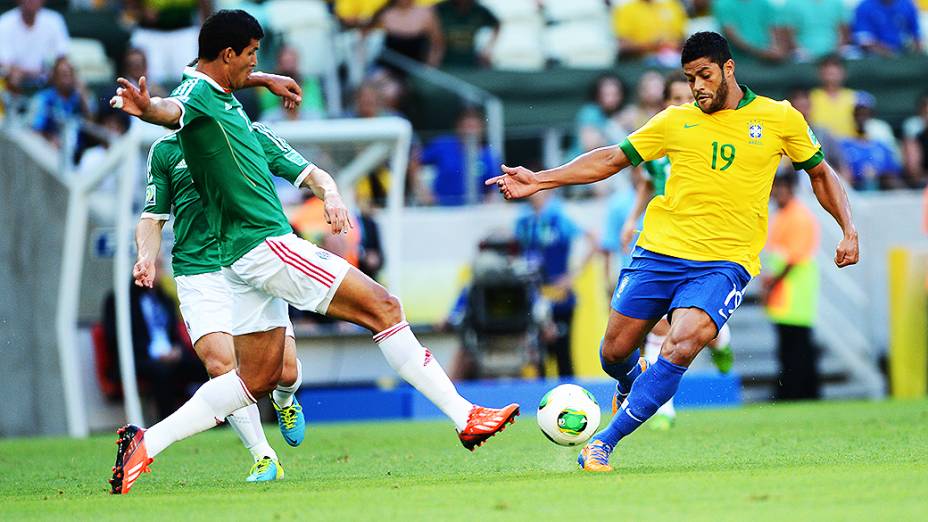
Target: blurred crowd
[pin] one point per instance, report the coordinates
(58, 60)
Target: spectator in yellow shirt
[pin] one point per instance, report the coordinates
(647, 28)
(833, 103)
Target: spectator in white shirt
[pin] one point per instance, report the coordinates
(31, 39)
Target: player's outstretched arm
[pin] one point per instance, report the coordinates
(323, 186)
(136, 102)
(282, 86)
(833, 198)
(595, 165)
(148, 243)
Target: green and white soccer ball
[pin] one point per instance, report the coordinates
(568, 415)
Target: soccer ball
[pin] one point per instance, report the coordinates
(568, 415)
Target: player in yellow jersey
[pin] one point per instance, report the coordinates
(700, 242)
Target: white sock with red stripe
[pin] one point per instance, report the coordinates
(283, 395)
(418, 367)
(214, 401)
(247, 424)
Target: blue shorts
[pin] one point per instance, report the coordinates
(654, 285)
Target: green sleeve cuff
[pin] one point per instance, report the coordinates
(816, 158)
(630, 152)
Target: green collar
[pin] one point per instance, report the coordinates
(748, 96)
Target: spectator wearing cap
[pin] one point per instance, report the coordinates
(790, 288)
(31, 39)
(887, 27)
(833, 103)
(872, 162)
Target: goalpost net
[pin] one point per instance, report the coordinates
(95, 244)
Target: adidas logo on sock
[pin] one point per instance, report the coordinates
(428, 357)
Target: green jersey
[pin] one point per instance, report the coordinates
(228, 167)
(171, 190)
(657, 172)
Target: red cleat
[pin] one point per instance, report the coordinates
(131, 459)
(483, 423)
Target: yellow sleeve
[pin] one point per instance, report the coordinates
(799, 142)
(647, 143)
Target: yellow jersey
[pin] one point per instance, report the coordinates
(835, 115)
(648, 22)
(715, 204)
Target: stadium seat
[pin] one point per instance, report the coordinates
(89, 59)
(702, 23)
(306, 25)
(519, 48)
(511, 11)
(588, 10)
(580, 44)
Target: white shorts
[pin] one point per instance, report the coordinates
(284, 267)
(206, 303)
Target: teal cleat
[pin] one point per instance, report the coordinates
(723, 357)
(266, 470)
(291, 421)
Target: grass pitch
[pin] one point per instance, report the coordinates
(825, 461)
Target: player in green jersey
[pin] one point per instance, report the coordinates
(205, 297)
(261, 258)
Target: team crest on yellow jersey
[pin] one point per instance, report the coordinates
(755, 132)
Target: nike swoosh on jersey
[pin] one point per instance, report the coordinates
(228, 106)
(690, 125)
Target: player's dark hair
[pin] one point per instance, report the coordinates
(672, 78)
(706, 44)
(228, 28)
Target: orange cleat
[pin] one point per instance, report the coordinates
(131, 459)
(618, 398)
(483, 423)
(595, 457)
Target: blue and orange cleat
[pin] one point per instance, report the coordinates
(291, 421)
(266, 469)
(618, 398)
(131, 459)
(483, 423)
(595, 456)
